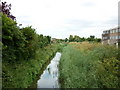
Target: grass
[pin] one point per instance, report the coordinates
(89, 65)
(23, 73)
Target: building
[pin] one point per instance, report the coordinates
(111, 37)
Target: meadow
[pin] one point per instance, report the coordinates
(89, 65)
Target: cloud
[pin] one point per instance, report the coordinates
(112, 21)
(81, 24)
(89, 4)
(60, 18)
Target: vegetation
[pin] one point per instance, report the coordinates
(89, 65)
(76, 38)
(79, 39)
(83, 64)
(24, 52)
(22, 74)
(20, 44)
(5, 8)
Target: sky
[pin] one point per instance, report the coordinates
(61, 18)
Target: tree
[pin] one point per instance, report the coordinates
(71, 39)
(66, 39)
(31, 44)
(92, 37)
(5, 8)
(82, 39)
(76, 38)
(49, 39)
(41, 41)
(13, 40)
(98, 40)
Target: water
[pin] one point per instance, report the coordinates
(49, 78)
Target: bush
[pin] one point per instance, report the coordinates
(12, 39)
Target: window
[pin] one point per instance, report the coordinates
(113, 37)
(116, 37)
(119, 30)
(105, 38)
(110, 37)
(116, 30)
(103, 32)
(110, 31)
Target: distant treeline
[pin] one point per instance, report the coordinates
(79, 39)
(76, 38)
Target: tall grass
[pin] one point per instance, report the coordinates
(89, 65)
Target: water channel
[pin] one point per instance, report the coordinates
(49, 78)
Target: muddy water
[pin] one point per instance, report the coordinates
(49, 78)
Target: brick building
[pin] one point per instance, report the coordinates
(111, 37)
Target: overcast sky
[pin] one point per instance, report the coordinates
(61, 18)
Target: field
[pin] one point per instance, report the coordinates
(89, 65)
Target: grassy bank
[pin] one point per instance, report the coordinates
(23, 73)
(89, 65)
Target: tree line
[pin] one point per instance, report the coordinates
(79, 39)
(76, 38)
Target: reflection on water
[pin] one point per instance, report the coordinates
(49, 78)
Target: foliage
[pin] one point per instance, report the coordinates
(78, 39)
(13, 40)
(5, 8)
(66, 40)
(22, 74)
(107, 73)
(71, 38)
(19, 44)
(89, 65)
(31, 44)
(24, 53)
